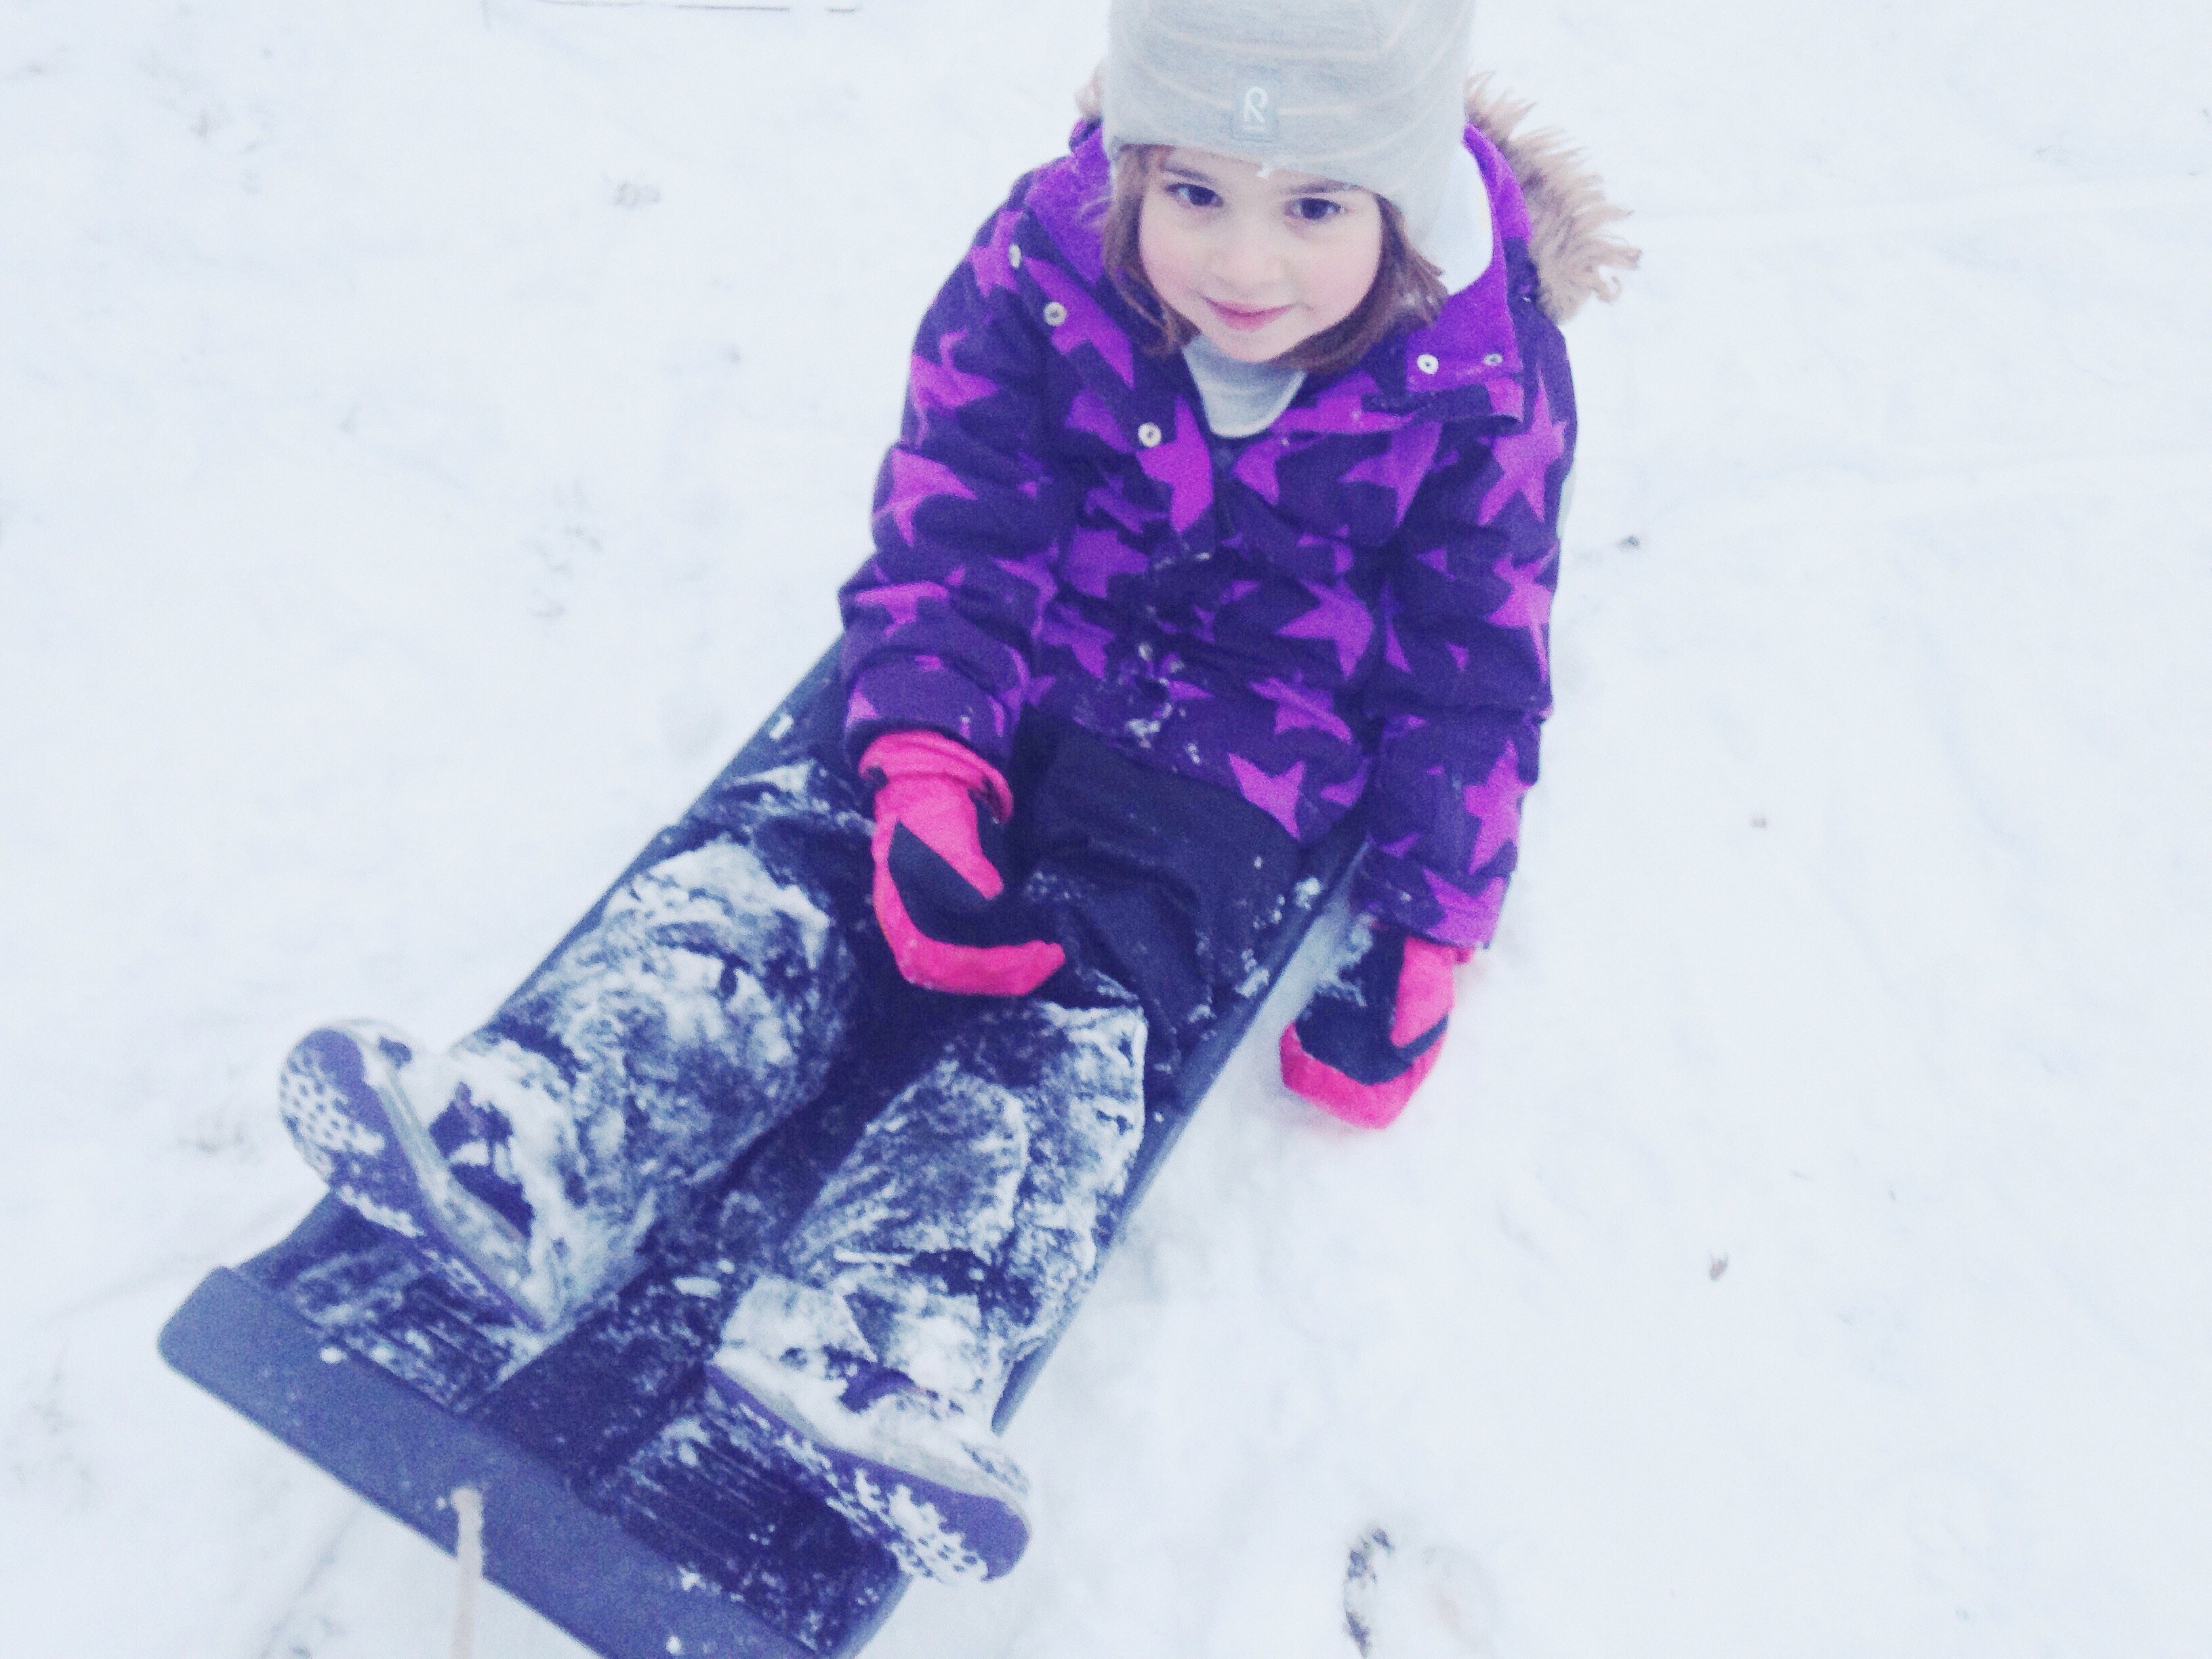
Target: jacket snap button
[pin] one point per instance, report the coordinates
(1014, 255)
(1055, 314)
(1494, 359)
(1426, 362)
(1148, 436)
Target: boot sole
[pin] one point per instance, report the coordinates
(341, 1098)
(938, 1528)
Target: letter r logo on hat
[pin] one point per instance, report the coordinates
(1252, 116)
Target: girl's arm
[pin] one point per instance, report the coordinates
(1465, 682)
(940, 623)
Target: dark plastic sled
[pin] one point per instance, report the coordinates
(620, 1499)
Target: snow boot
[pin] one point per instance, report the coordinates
(400, 1138)
(703, 1004)
(472, 1158)
(920, 1473)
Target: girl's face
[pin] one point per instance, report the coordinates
(1258, 265)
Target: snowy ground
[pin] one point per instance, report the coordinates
(431, 434)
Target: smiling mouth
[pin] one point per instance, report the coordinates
(1243, 320)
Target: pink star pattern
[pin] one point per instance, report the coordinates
(1528, 604)
(934, 384)
(1089, 414)
(1094, 557)
(1105, 501)
(1081, 638)
(1298, 709)
(915, 479)
(1086, 323)
(1037, 571)
(1339, 618)
(1394, 649)
(987, 260)
(1469, 918)
(1276, 796)
(1495, 802)
(1524, 459)
(1338, 553)
(1256, 468)
(1340, 407)
(1402, 467)
(1184, 466)
(1347, 793)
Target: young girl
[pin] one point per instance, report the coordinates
(1225, 506)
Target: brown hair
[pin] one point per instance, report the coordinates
(1409, 290)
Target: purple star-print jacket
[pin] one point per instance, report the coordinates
(1347, 609)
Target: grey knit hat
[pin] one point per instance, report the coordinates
(1365, 92)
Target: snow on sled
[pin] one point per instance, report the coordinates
(622, 1498)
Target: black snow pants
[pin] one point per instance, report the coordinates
(710, 997)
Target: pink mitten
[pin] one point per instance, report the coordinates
(1375, 1026)
(936, 890)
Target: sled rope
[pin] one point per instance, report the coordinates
(468, 1552)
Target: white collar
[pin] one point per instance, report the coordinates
(1240, 399)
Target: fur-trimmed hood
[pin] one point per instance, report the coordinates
(1571, 244)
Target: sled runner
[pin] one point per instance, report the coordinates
(624, 1499)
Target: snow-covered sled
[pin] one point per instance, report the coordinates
(622, 1499)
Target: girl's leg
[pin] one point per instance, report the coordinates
(958, 1234)
(954, 1241)
(968, 1221)
(701, 1004)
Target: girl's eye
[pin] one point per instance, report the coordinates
(1313, 210)
(1196, 196)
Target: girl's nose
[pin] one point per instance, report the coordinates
(1245, 259)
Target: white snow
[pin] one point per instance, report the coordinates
(430, 437)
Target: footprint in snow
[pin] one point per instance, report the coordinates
(1409, 1597)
